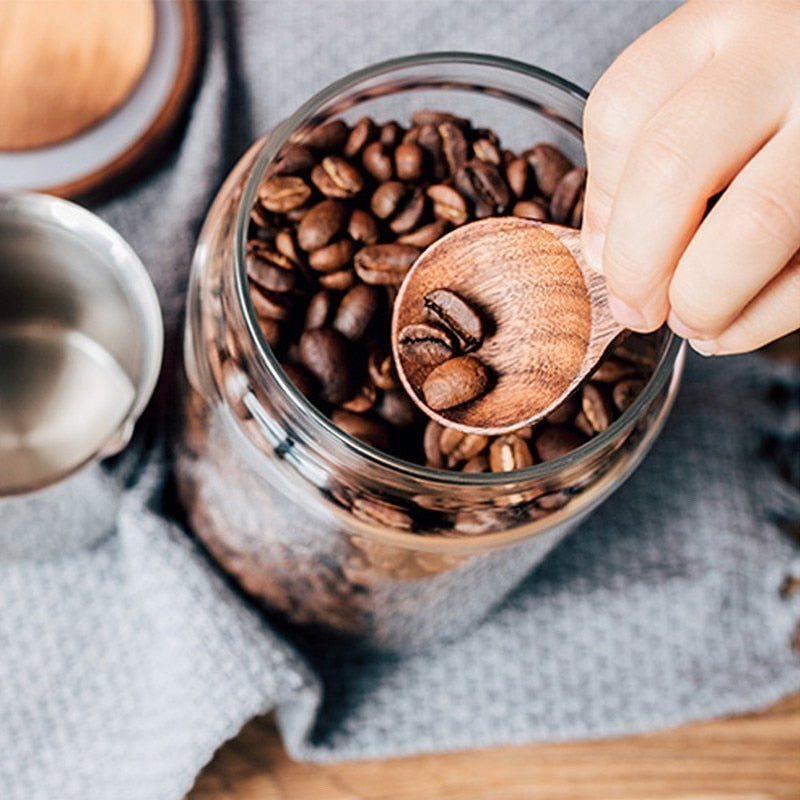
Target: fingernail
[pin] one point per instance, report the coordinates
(593, 244)
(682, 330)
(705, 347)
(625, 315)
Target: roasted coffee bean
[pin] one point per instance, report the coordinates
(448, 204)
(301, 378)
(283, 193)
(612, 370)
(363, 400)
(397, 409)
(427, 116)
(509, 452)
(530, 209)
(566, 195)
(430, 444)
(377, 160)
(333, 256)
(582, 424)
(286, 246)
(458, 446)
(428, 138)
(479, 463)
(292, 159)
(269, 304)
(596, 407)
(487, 150)
(565, 412)
(367, 429)
(320, 224)
(363, 132)
(556, 441)
(269, 274)
(410, 214)
(336, 177)
(426, 235)
(356, 311)
(626, 391)
(271, 331)
(391, 134)
(455, 382)
(362, 227)
(384, 514)
(324, 354)
(386, 198)
(549, 166)
(339, 281)
(517, 176)
(483, 184)
(381, 370)
(455, 147)
(319, 310)
(328, 136)
(409, 161)
(426, 344)
(385, 263)
(457, 315)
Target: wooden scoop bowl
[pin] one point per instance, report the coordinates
(545, 311)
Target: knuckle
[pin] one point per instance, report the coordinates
(764, 213)
(605, 121)
(663, 159)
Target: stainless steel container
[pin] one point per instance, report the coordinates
(81, 339)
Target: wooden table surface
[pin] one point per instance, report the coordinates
(754, 757)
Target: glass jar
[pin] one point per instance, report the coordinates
(320, 527)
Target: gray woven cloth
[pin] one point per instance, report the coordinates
(126, 658)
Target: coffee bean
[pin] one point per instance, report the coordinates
(386, 198)
(549, 165)
(596, 407)
(363, 132)
(292, 159)
(458, 446)
(397, 409)
(362, 227)
(487, 150)
(286, 246)
(356, 311)
(268, 274)
(509, 452)
(377, 161)
(457, 315)
(430, 141)
(363, 400)
(336, 177)
(566, 195)
(271, 331)
(556, 441)
(530, 209)
(483, 184)
(517, 176)
(320, 224)
(581, 423)
(479, 463)
(381, 370)
(319, 310)
(391, 134)
(626, 391)
(426, 344)
(612, 370)
(426, 235)
(448, 204)
(409, 161)
(455, 382)
(364, 428)
(565, 412)
(385, 263)
(340, 281)
(299, 377)
(269, 304)
(324, 354)
(283, 193)
(328, 136)
(430, 444)
(332, 256)
(454, 145)
(427, 116)
(410, 214)
(385, 514)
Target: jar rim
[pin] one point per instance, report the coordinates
(371, 456)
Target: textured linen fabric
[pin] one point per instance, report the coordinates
(126, 657)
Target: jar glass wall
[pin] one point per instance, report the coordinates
(320, 526)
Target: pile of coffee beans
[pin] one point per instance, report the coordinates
(340, 217)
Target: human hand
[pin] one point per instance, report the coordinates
(708, 99)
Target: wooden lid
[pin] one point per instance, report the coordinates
(89, 88)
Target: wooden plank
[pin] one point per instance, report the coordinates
(753, 757)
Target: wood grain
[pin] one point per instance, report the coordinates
(546, 312)
(754, 757)
(67, 64)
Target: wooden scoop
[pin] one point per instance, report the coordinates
(545, 315)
